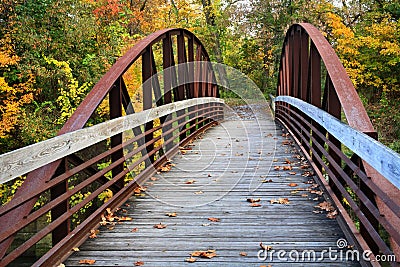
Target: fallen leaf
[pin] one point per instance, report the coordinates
(325, 206)
(190, 181)
(307, 174)
(197, 253)
(287, 168)
(255, 205)
(264, 247)
(153, 179)
(93, 233)
(304, 195)
(75, 249)
(332, 214)
(212, 219)
(171, 214)
(292, 173)
(134, 230)
(208, 254)
(286, 142)
(204, 253)
(277, 168)
(198, 192)
(317, 192)
(304, 166)
(87, 261)
(266, 181)
(288, 161)
(252, 200)
(191, 259)
(166, 168)
(160, 226)
(138, 190)
(139, 263)
(280, 201)
(243, 254)
(293, 184)
(124, 219)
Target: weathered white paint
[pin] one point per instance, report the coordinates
(21, 161)
(381, 158)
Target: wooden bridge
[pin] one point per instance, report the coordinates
(188, 180)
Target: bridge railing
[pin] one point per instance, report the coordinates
(76, 180)
(318, 104)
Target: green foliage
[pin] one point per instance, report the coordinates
(70, 93)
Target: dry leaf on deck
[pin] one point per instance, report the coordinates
(87, 261)
(160, 226)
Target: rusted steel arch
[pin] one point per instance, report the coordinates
(112, 84)
(306, 55)
(103, 87)
(303, 49)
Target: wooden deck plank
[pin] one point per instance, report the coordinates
(229, 164)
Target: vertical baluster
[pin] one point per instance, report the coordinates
(127, 104)
(63, 229)
(303, 75)
(191, 79)
(168, 73)
(314, 93)
(147, 97)
(115, 102)
(331, 104)
(182, 79)
(198, 84)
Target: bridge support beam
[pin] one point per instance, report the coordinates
(115, 101)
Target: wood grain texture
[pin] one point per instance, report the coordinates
(213, 178)
(26, 159)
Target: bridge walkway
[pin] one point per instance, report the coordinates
(241, 183)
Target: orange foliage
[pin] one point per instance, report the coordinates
(12, 98)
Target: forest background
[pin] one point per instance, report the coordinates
(52, 52)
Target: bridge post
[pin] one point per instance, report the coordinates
(182, 76)
(332, 105)
(191, 84)
(115, 102)
(63, 229)
(169, 82)
(147, 99)
(314, 94)
(364, 209)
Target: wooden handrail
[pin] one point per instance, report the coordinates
(377, 155)
(18, 162)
